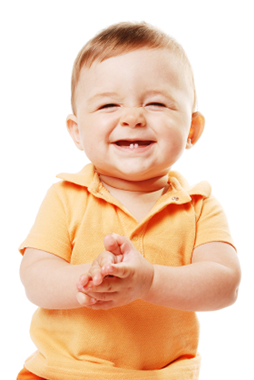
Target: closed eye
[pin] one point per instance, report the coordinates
(156, 104)
(110, 105)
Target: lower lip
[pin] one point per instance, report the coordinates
(127, 149)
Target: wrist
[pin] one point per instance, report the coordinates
(150, 278)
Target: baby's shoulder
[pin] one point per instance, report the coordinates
(69, 194)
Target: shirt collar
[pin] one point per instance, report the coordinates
(88, 177)
(82, 178)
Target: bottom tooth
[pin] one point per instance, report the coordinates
(133, 146)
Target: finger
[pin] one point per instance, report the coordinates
(84, 288)
(103, 296)
(97, 278)
(95, 273)
(110, 284)
(85, 300)
(107, 270)
(125, 244)
(121, 270)
(111, 244)
(83, 280)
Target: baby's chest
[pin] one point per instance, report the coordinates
(166, 238)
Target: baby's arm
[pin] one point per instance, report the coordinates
(209, 283)
(50, 282)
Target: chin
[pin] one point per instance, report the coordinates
(133, 173)
(135, 176)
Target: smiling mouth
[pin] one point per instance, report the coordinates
(133, 144)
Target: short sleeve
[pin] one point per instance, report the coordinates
(50, 230)
(212, 224)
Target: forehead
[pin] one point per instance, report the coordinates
(146, 68)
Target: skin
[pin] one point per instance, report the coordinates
(140, 102)
(134, 120)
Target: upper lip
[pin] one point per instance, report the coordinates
(132, 140)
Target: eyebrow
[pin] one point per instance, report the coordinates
(162, 92)
(102, 95)
(113, 94)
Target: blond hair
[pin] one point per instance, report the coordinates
(123, 38)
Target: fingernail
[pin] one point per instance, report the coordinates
(87, 288)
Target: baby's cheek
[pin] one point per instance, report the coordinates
(176, 141)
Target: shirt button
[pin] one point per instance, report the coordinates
(175, 199)
(135, 238)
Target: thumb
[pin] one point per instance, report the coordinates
(121, 270)
(124, 244)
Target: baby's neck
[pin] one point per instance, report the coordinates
(147, 186)
(137, 197)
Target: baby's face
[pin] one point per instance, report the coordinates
(133, 114)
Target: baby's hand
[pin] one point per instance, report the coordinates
(130, 278)
(99, 269)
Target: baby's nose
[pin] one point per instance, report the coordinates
(133, 117)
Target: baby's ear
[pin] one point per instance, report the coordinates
(196, 129)
(72, 126)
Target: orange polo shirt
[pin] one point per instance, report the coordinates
(138, 340)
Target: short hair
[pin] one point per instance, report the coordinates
(123, 38)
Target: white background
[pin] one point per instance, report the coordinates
(39, 42)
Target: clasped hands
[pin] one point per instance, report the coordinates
(118, 276)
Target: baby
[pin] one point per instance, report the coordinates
(124, 252)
